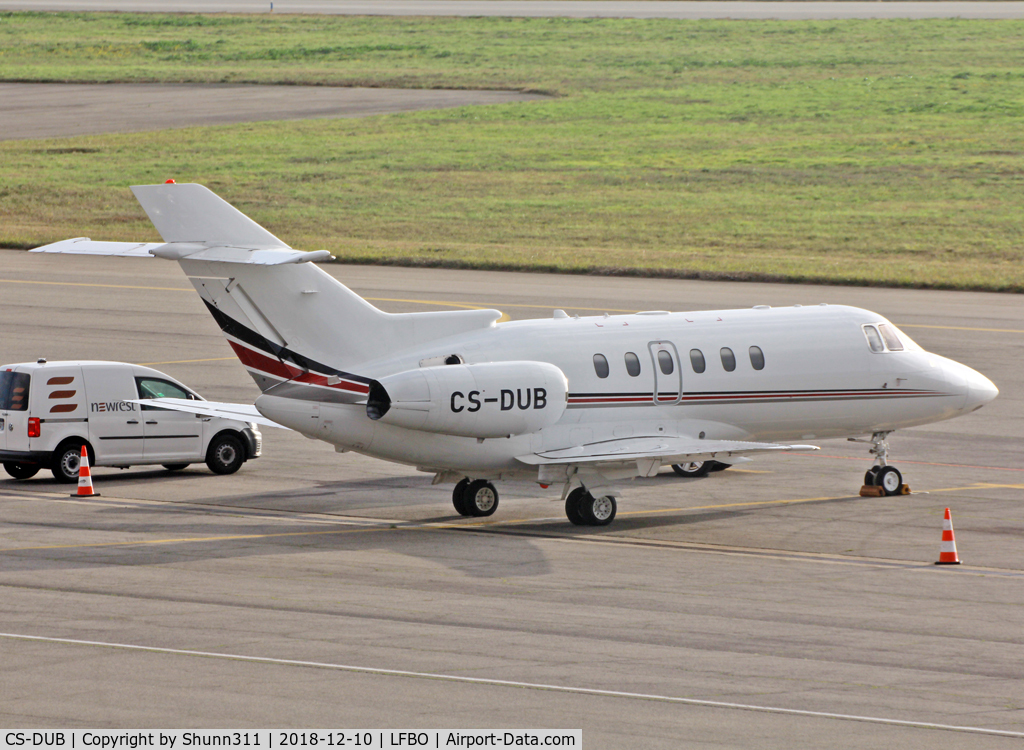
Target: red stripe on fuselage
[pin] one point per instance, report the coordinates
(258, 361)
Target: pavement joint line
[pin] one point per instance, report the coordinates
(185, 361)
(915, 463)
(99, 286)
(539, 686)
(778, 554)
(192, 540)
(266, 514)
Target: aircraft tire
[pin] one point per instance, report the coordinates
(890, 480)
(572, 506)
(598, 511)
(459, 496)
(19, 470)
(692, 468)
(480, 498)
(870, 474)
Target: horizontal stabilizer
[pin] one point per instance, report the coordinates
(667, 449)
(191, 250)
(241, 412)
(85, 246)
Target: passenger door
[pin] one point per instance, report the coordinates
(668, 376)
(171, 436)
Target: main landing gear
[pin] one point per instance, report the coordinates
(698, 468)
(475, 498)
(583, 509)
(881, 475)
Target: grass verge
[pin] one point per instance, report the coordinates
(879, 152)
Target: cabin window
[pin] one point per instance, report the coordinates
(665, 362)
(601, 365)
(632, 364)
(874, 340)
(697, 360)
(892, 341)
(756, 358)
(728, 359)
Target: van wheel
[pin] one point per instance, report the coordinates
(66, 460)
(20, 471)
(175, 467)
(225, 455)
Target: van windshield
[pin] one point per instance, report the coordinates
(14, 391)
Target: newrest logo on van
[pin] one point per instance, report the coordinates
(98, 406)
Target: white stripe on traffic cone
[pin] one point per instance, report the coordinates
(85, 477)
(947, 549)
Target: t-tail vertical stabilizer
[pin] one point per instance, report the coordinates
(288, 321)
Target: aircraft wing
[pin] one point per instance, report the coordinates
(669, 450)
(241, 412)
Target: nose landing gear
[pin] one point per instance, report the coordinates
(882, 478)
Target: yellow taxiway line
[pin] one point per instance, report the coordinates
(389, 525)
(468, 305)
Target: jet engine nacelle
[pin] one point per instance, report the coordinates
(489, 400)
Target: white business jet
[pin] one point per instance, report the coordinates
(576, 403)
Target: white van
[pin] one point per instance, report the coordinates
(49, 410)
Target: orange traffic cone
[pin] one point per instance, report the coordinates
(85, 477)
(947, 550)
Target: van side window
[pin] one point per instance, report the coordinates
(632, 364)
(601, 365)
(14, 390)
(874, 340)
(153, 388)
(892, 341)
(728, 359)
(665, 362)
(756, 358)
(697, 360)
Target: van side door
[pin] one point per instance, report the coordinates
(115, 423)
(171, 436)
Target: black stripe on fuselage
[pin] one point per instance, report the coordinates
(235, 329)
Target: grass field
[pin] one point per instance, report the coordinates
(884, 152)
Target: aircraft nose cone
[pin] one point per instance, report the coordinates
(980, 390)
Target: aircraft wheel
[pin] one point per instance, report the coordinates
(598, 511)
(459, 497)
(692, 468)
(21, 471)
(869, 476)
(890, 480)
(572, 506)
(480, 498)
